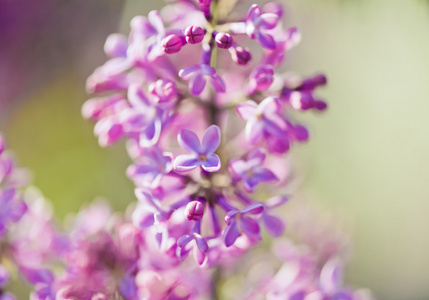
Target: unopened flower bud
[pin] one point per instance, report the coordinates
(172, 44)
(223, 40)
(240, 55)
(194, 34)
(194, 211)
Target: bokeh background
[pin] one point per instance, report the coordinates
(367, 161)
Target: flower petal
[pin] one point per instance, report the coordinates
(199, 256)
(254, 130)
(186, 162)
(253, 13)
(265, 175)
(276, 201)
(331, 276)
(143, 217)
(188, 72)
(266, 40)
(211, 140)
(275, 125)
(184, 240)
(197, 84)
(274, 225)
(212, 164)
(258, 155)
(247, 109)
(249, 226)
(270, 105)
(156, 21)
(238, 167)
(267, 21)
(253, 209)
(189, 141)
(277, 145)
(231, 234)
(151, 134)
(217, 83)
(136, 95)
(201, 243)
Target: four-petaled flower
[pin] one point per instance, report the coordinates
(201, 154)
(149, 170)
(238, 219)
(263, 120)
(198, 75)
(200, 247)
(257, 25)
(251, 170)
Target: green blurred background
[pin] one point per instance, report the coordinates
(367, 161)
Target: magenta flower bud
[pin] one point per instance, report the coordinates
(194, 211)
(240, 55)
(172, 44)
(194, 34)
(223, 40)
(204, 2)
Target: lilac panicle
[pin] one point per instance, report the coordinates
(150, 107)
(213, 212)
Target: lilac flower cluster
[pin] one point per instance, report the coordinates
(199, 192)
(303, 277)
(205, 135)
(312, 263)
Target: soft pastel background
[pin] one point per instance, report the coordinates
(367, 162)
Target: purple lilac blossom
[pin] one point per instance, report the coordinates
(250, 171)
(211, 211)
(173, 203)
(201, 154)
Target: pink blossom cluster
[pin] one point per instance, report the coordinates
(195, 92)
